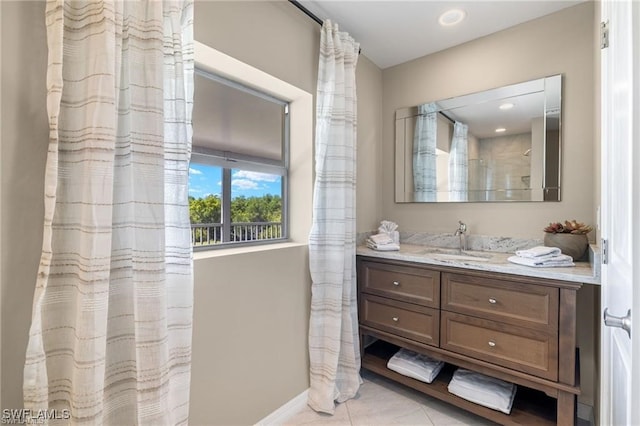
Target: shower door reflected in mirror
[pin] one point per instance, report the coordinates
(498, 145)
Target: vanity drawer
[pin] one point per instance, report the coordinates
(414, 322)
(527, 305)
(406, 283)
(530, 351)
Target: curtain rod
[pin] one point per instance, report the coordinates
(447, 117)
(306, 11)
(311, 15)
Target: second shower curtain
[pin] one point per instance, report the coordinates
(334, 348)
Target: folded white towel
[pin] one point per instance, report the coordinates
(383, 247)
(545, 257)
(556, 261)
(381, 238)
(383, 242)
(484, 390)
(539, 251)
(417, 366)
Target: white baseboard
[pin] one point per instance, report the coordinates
(287, 411)
(585, 412)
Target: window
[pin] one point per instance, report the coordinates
(239, 165)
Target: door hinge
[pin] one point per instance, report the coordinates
(605, 251)
(604, 35)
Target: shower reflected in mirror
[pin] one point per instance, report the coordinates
(502, 144)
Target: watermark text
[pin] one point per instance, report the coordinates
(31, 417)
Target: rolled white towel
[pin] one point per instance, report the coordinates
(387, 226)
(539, 251)
(557, 261)
(417, 366)
(483, 390)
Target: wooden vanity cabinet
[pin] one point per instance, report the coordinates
(518, 329)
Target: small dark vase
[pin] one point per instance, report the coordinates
(575, 245)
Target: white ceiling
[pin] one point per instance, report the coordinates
(391, 32)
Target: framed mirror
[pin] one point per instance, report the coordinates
(499, 145)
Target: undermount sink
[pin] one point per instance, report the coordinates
(464, 256)
(455, 254)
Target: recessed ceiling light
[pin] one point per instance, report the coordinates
(452, 17)
(500, 130)
(506, 105)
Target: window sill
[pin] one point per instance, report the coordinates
(207, 254)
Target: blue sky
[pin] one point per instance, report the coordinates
(205, 180)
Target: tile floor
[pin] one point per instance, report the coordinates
(383, 402)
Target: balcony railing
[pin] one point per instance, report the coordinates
(206, 234)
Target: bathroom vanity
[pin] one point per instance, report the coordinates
(484, 315)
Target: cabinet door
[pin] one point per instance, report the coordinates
(527, 305)
(406, 283)
(414, 322)
(519, 348)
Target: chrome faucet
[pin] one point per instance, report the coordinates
(461, 232)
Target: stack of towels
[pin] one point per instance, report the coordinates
(483, 390)
(542, 257)
(387, 238)
(415, 365)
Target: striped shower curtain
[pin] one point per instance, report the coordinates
(110, 338)
(334, 349)
(425, 187)
(459, 164)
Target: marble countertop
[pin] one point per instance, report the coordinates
(583, 272)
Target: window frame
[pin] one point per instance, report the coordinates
(229, 161)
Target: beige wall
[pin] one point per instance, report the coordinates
(559, 43)
(250, 335)
(272, 36)
(250, 330)
(263, 298)
(251, 323)
(279, 39)
(24, 150)
(369, 179)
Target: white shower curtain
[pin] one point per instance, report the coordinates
(334, 349)
(424, 154)
(459, 163)
(110, 339)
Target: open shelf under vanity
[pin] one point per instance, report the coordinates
(530, 406)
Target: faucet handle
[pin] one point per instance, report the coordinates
(462, 227)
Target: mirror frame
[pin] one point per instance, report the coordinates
(549, 159)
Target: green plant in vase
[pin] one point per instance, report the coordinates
(569, 236)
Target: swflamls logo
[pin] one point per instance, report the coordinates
(25, 416)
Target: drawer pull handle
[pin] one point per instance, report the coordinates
(395, 319)
(492, 301)
(492, 343)
(396, 283)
